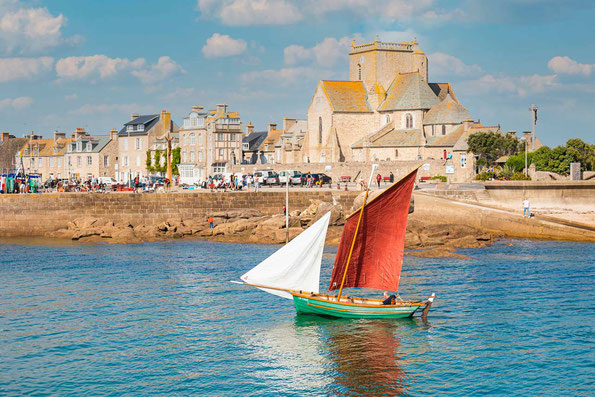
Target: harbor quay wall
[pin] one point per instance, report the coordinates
(37, 214)
(355, 169)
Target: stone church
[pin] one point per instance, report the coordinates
(387, 110)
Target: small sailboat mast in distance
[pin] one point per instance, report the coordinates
(370, 255)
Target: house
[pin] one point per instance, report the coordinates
(292, 139)
(269, 152)
(135, 139)
(193, 142)
(9, 147)
(44, 157)
(224, 140)
(251, 143)
(91, 156)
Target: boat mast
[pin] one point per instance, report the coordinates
(361, 213)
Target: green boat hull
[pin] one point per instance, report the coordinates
(306, 305)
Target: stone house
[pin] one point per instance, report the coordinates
(292, 139)
(88, 156)
(250, 145)
(135, 139)
(193, 143)
(44, 157)
(224, 140)
(269, 150)
(9, 147)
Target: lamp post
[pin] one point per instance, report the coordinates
(526, 168)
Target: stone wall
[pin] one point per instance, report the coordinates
(35, 215)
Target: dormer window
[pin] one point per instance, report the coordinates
(79, 146)
(89, 146)
(130, 128)
(140, 127)
(245, 146)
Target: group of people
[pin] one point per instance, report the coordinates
(233, 182)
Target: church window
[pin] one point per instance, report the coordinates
(320, 130)
(443, 130)
(396, 153)
(386, 118)
(359, 72)
(408, 121)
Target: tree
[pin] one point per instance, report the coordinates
(175, 160)
(582, 152)
(490, 146)
(517, 162)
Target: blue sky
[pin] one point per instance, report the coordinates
(67, 64)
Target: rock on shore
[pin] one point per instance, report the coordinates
(428, 238)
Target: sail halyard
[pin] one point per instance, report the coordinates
(378, 245)
(295, 266)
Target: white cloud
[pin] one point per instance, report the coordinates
(31, 30)
(16, 103)
(567, 65)
(326, 53)
(221, 45)
(164, 68)
(71, 97)
(111, 108)
(444, 65)
(520, 86)
(103, 67)
(23, 68)
(284, 77)
(287, 12)
(95, 66)
(251, 12)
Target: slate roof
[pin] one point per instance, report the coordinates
(388, 136)
(254, 140)
(408, 92)
(98, 142)
(346, 96)
(8, 150)
(443, 89)
(447, 112)
(147, 120)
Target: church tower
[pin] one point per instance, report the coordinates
(379, 62)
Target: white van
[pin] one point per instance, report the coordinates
(295, 177)
(261, 176)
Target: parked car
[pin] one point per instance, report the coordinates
(322, 179)
(106, 180)
(263, 175)
(295, 177)
(272, 179)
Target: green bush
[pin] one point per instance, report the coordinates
(440, 177)
(517, 162)
(519, 176)
(484, 176)
(490, 146)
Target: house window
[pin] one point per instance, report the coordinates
(186, 123)
(79, 146)
(200, 122)
(220, 137)
(78, 161)
(232, 137)
(106, 161)
(69, 161)
(192, 139)
(130, 128)
(320, 130)
(138, 143)
(463, 160)
(200, 156)
(184, 158)
(89, 160)
(200, 138)
(59, 161)
(408, 120)
(89, 146)
(69, 149)
(51, 160)
(126, 144)
(220, 152)
(443, 130)
(39, 162)
(125, 159)
(245, 146)
(138, 161)
(192, 156)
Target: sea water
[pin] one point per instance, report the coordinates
(162, 318)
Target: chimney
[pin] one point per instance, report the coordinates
(166, 119)
(80, 131)
(59, 135)
(5, 136)
(221, 108)
(134, 116)
(272, 126)
(113, 133)
(511, 133)
(288, 123)
(249, 128)
(197, 108)
(527, 136)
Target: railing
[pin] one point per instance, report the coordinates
(379, 45)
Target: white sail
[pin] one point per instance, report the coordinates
(296, 265)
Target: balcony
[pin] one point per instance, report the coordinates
(228, 128)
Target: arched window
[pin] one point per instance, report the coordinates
(386, 118)
(359, 72)
(320, 130)
(408, 120)
(443, 130)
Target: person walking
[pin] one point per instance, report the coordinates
(256, 184)
(526, 208)
(211, 222)
(391, 178)
(378, 179)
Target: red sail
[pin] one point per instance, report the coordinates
(378, 251)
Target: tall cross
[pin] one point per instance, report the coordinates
(168, 139)
(533, 110)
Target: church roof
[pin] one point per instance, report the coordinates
(271, 140)
(447, 112)
(346, 96)
(407, 92)
(388, 136)
(443, 89)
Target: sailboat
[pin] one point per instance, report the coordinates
(370, 255)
